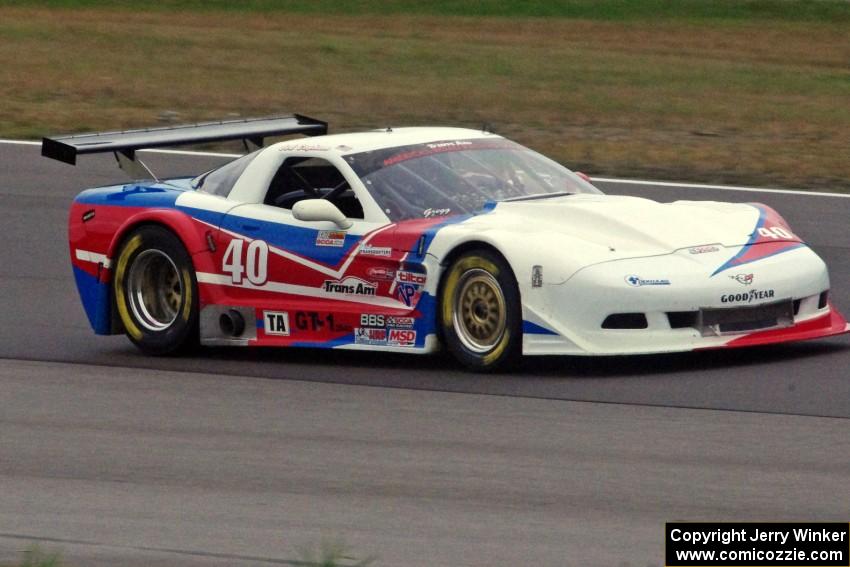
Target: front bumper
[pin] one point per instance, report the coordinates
(664, 290)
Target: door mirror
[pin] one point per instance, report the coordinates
(320, 210)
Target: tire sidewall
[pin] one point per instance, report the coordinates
(509, 347)
(183, 330)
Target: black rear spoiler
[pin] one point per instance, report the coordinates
(124, 144)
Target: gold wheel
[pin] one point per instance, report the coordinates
(480, 316)
(155, 290)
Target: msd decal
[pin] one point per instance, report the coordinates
(401, 337)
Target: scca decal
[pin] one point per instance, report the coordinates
(393, 321)
(335, 238)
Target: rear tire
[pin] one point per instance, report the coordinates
(480, 312)
(156, 292)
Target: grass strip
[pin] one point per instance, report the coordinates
(746, 101)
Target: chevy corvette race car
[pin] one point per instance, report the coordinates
(408, 239)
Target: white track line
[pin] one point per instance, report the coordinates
(602, 179)
(719, 187)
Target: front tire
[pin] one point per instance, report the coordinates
(156, 292)
(480, 312)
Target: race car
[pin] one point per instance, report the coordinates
(413, 239)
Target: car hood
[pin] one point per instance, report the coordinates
(629, 226)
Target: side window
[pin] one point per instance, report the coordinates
(221, 180)
(312, 178)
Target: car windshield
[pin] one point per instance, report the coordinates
(459, 177)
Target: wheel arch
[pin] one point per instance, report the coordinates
(455, 253)
(467, 246)
(179, 223)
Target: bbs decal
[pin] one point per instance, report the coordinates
(371, 320)
(251, 265)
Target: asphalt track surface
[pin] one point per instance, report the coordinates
(234, 457)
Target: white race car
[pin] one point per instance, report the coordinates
(407, 239)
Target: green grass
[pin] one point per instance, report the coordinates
(610, 10)
(756, 101)
(34, 556)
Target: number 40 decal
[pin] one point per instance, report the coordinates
(253, 265)
(775, 232)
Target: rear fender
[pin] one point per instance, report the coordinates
(97, 295)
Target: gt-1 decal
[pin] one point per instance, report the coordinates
(276, 323)
(312, 321)
(253, 265)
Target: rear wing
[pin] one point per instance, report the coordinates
(124, 144)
